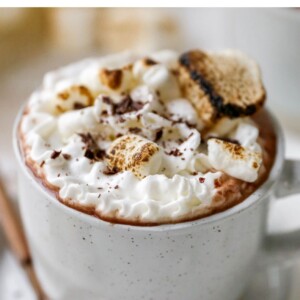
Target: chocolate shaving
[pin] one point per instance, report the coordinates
(66, 156)
(55, 154)
(92, 151)
(100, 154)
(78, 105)
(107, 100)
(135, 130)
(111, 171)
(89, 154)
(201, 179)
(175, 152)
(87, 139)
(127, 105)
(149, 62)
(158, 135)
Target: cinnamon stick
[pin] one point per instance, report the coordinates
(15, 236)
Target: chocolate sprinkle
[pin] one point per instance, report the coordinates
(110, 171)
(100, 154)
(158, 135)
(78, 105)
(89, 154)
(87, 139)
(135, 130)
(55, 154)
(127, 105)
(175, 152)
(201, 179)
(66, 156)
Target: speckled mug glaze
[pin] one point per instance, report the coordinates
(77, 256)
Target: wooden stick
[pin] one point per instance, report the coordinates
(16, 239)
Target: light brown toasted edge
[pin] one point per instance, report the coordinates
(225, 84)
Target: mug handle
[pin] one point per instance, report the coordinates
(283, 247)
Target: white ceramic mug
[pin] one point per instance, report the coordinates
(77, 256)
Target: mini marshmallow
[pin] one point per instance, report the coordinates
(234, 159)
(160, 78)
(73, 97)
(157, 77)
(117, 80)
(182, 110)
(136, 154)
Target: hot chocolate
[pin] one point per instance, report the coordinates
(149, 140)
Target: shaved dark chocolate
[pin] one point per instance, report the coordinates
(135, 130)
(66, 156)
(158, 135)
(89, 154)
(221, 109)
(175, 152)
(111, 171)
(78, 105)
(55, 154)
(127, 105)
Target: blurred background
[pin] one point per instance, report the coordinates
(33, 41)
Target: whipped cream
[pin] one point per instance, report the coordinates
(115, 134)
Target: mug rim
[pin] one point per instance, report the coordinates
(255, 197)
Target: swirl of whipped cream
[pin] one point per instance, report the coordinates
(116, 135)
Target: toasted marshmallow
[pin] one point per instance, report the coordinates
(136, 154)
(182, 110)
(117, 80)
(73, 97)
(233, 159)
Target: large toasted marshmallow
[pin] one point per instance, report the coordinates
(234, 159)
(136, 154)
